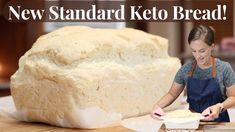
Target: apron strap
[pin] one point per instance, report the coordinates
(213, 67)
(190, 73)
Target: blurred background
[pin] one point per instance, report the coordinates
(17, 38)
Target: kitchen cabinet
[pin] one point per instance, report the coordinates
(15, 39)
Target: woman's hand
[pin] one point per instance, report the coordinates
(166, 100)
(157, 112)
(211, 113)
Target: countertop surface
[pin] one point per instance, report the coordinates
(12, 125)
(8, 124)
(210, 127)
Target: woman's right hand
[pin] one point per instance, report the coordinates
(157, 112)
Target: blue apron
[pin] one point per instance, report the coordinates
(202, 93)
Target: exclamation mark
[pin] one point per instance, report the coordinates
(224, 9)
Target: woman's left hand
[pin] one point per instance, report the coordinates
(211, 113)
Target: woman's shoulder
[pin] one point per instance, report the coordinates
(222, 63)
(187, 66)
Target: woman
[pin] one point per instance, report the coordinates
(210, 82)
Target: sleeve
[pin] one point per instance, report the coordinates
(229, 76)
(181, 75)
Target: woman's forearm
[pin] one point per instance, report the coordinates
(170, 96)
(166, 100)
(229, 102)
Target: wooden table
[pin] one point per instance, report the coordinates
(11, 125)
(211, 127)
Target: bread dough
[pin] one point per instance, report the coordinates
(82, 77)
(185, 113)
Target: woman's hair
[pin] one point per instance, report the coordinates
(202, 32)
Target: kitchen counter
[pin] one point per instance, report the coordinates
(7, 124)
(211, 127)
(12, 125)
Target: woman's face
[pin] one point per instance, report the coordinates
(201, 51)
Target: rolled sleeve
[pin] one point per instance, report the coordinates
(181, 75)
(229, 76)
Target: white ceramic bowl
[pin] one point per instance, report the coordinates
(180, 123)
(186, 122)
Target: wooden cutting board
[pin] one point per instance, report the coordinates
(211, 127)
(12, 125)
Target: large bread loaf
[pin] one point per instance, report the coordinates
(89, 78)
